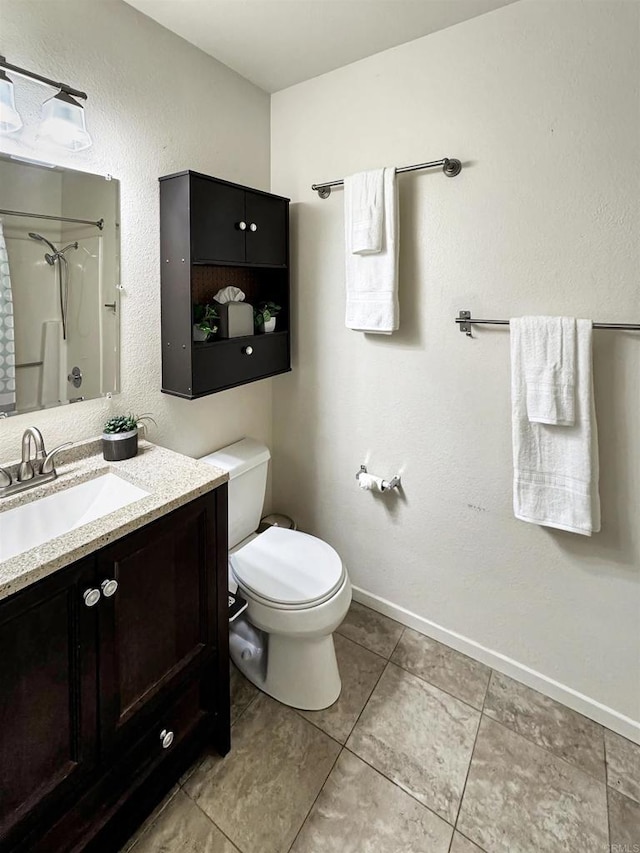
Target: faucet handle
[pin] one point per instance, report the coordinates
(47, 465)
(5, 478)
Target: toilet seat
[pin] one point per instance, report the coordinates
(287, 569)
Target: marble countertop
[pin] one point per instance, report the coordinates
(170, 478)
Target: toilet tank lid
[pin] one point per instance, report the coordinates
(239, 457)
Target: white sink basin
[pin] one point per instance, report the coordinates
(34, 523)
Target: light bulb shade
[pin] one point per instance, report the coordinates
(63, 123)
(10, 120)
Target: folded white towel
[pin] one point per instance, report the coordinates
(372, 280)
(364, 198)
(556, 470)
(548, 353)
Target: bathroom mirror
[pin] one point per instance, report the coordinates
(59, 286)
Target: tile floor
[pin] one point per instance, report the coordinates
(426, 751)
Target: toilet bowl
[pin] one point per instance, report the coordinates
(296, 586)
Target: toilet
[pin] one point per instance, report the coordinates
(296, 587)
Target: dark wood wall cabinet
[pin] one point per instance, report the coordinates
(114, 675)
(214, 234)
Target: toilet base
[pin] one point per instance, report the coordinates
(297, 671)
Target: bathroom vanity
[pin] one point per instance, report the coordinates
(113, 655)
(214, 234)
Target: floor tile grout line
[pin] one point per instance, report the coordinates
(473, 751)
(600, 726)
(342, 744)
(165, 802)
(306, 817)
(437, 686)
(246, 707)
(606, 785)
(382, 672)
(201, 757)
(299, 713)
(211, 820)
(402, 633)
(397, 785)
(466, 837)
(362, 645)
(547, 751)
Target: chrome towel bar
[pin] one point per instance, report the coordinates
(450, 166)
(465, 321)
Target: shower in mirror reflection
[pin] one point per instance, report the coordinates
(58, 256)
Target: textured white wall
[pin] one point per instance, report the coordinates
(540, 101)
(156, 105)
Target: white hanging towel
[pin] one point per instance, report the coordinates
(556, 469)
(372, 280)
(548, 352)
(364, 198)
(50, 391)
(7, 333)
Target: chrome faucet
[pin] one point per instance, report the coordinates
(30, 472)
(28, 469)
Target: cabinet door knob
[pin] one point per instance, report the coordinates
(242, 226)
(166, 738)
(247, 350)
(253, 227)
(91, 597)
(109, 587)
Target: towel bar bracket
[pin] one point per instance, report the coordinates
(464, 324)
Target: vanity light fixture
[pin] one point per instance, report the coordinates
(63, 120)
(63, 123)
(10, 120)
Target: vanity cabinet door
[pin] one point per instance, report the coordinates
(158, 627)
(47, 698)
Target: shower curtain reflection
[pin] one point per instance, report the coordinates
(62, 235)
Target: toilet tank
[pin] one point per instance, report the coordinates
(247, 462)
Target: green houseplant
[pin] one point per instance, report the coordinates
(264, 316)
(120, 436)
(205, 324)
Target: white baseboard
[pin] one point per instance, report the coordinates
(571, 698)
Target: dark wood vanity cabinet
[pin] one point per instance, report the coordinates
(48, 732)
(104, 706)
(213, 234)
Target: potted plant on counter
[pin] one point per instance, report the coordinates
(120, 436)
(205, 324)
(264, 316)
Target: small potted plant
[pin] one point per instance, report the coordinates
(120, 436)
(264, 316)
(205, 323)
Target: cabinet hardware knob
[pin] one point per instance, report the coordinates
(242, 226)
(109, 587)
(253, 227)
(247, 350)
(166, 738)
(91, 597)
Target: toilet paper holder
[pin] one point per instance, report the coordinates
(385, 485)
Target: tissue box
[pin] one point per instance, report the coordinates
(236, 319)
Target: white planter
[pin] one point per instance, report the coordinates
(270, 325)
(198, 334)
